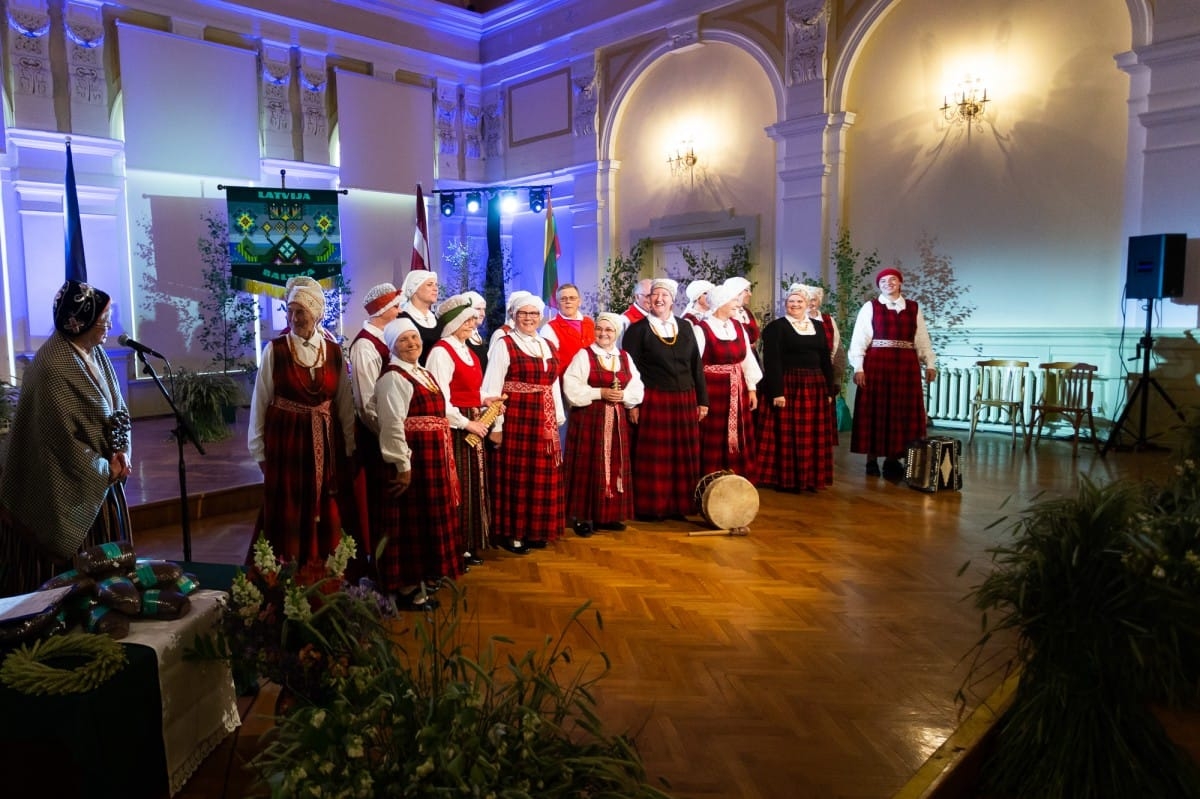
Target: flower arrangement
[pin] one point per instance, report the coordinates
(426, 717)
(300, 627)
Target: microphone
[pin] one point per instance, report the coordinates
(137, 346)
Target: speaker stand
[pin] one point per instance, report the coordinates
(1142, 391)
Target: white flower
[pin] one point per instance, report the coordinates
(295, 604)
(264, 557)
(336, 563)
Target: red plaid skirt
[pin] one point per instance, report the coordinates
(667, 468)
(528, 501)
(890, 411)
(422, 527)
(796, 444)
(599, 484)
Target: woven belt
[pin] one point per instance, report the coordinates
(894, 343)
(438, 424)
(322, 432)
(549, 422)
(734, 370)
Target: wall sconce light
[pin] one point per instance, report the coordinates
(537, 200)
(684, 160)
(474, 200)
(969, 104)
(446, 199)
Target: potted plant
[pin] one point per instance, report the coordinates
(1101, 592)
(205, 399)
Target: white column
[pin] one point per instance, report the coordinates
(314, 115)
(275, 84)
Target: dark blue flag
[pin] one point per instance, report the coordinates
(76, 263)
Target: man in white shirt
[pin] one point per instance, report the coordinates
(368, 355)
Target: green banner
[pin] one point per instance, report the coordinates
(277, 234)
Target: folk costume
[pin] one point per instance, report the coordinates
(666, 468)
(425, 320)
(368, 355)
(569, 336)
(57, 490)
(459, 372)
(889, 345)
(424, 537)
(599, 470)
(697, 294)
(796, 441)
(301, 425)
(477, 343)
(731, 373)
(743, 314)
(525, 470)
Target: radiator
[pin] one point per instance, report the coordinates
(948, 399)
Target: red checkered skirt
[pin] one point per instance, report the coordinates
(667, 468)
(303, 444)
(525, 471)
(422, 527)
(795, 451)
(597, 462)
(889, 412)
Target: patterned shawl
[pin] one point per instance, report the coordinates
(56, 474)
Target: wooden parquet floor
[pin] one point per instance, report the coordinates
(817, 657)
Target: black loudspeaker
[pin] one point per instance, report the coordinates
(1156, 266)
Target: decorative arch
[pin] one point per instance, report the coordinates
(652, 54)
(1141, 17)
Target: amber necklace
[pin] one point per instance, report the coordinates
(668, 340)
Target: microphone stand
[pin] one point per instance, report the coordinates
(183, 432)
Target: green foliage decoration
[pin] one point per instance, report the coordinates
(935, 287)
(228, 317)
(1106, 620)
(620, 278)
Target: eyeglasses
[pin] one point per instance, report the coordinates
(528, 314)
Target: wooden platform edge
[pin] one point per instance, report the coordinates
(952, 771)
(201, 506)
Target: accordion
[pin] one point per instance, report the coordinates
(933, 464)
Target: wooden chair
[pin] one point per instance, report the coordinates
(1066, 391)
(1001, 385)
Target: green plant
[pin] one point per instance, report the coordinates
(934, 286)
(705, 266)
(203, 398)
(1099, 635)
(431, 720)
(228, 317)
(621, 276)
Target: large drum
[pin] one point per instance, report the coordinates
(727, 500)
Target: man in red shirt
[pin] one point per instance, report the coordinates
(569, 331)
(641, 303)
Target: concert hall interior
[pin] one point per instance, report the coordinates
(1019, 162)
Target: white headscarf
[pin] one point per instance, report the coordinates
(671, 286)
(615, 319)
(394, 328)
(721, 295)
(515, 300)
(308, 293)
(414, 280)
(698, 288)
